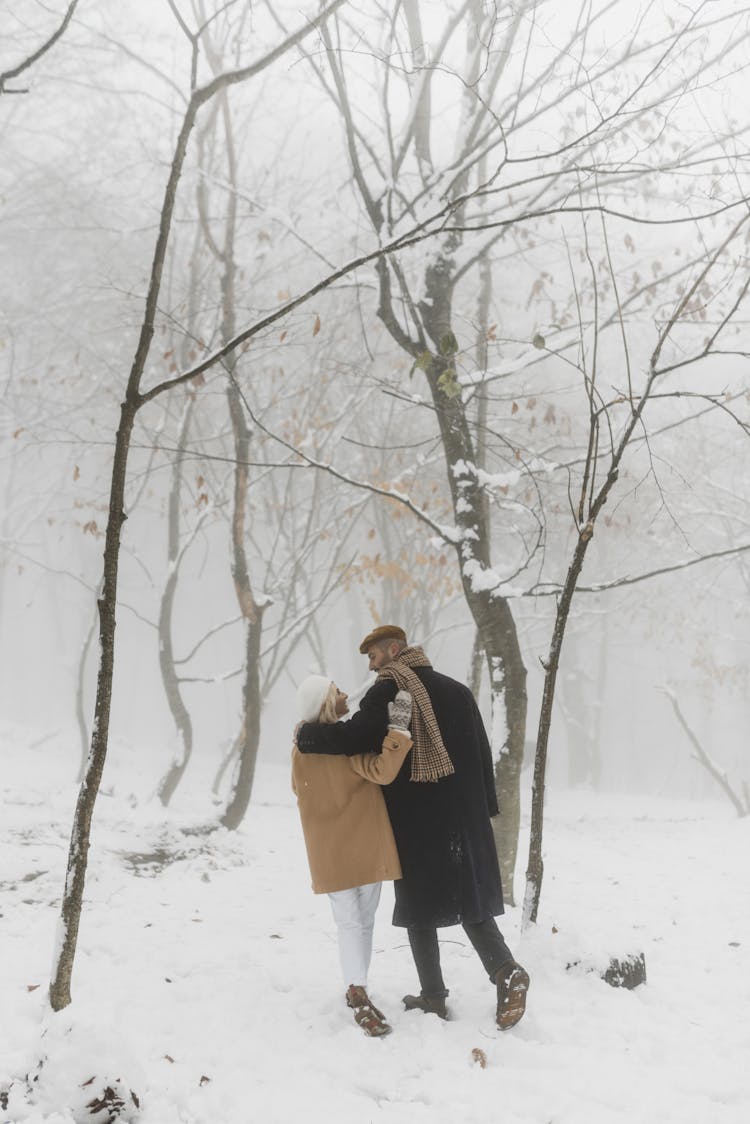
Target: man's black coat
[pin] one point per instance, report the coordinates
(442, 828)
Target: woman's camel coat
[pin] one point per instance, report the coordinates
(344, 819)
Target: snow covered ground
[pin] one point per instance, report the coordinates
(207, 972)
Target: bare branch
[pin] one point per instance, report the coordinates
(684, 303)
(700, 755)
(9, 75)
(443, 532)
(548, 590)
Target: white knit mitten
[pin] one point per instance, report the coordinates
(399, 712)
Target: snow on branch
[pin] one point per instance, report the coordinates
(502, 480)
(550, 589)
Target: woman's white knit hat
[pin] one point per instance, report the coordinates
(311, 694)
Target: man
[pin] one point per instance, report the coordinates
(440, 806)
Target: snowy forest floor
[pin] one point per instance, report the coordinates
(207, 972)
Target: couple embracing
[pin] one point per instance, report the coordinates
(378, 802)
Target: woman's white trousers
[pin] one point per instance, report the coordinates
(354, 914)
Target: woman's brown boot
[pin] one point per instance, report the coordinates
(366, 1015)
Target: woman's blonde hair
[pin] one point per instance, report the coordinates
(328, 709)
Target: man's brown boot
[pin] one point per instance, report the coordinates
(512, 984)
(430, 1004)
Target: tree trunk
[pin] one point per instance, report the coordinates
(176, 704)
(169, 675)
(509, 671)
(75, 878)
(491, 612)
(499, 640)
(249, 736)
(475, 667)
(433, 316)
(170, 678)
(62, 969)
(535, 869)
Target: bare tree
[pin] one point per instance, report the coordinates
(426, 331)
(613, 423)
(458, 113)
(133, 401)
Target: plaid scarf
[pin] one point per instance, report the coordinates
(429, 758)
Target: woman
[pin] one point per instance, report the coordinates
(348, 836)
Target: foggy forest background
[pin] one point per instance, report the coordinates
(521, 234)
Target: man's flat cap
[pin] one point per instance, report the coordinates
(384, 632)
